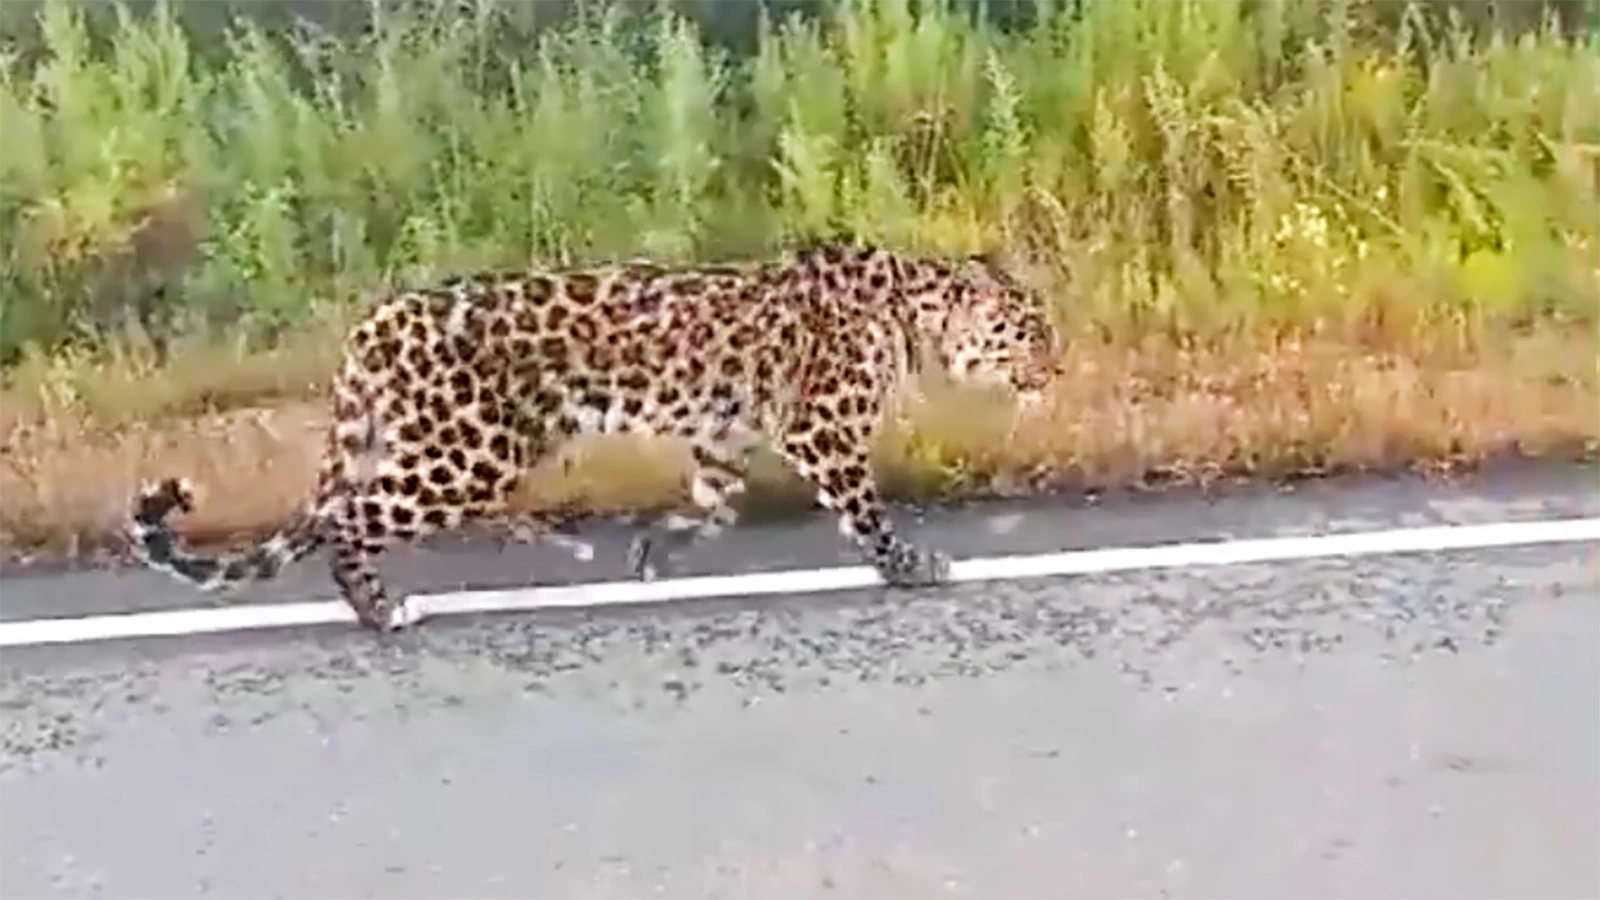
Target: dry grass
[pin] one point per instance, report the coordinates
(1123, 414)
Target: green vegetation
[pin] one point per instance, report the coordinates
(1190, 165)
(1291, 235)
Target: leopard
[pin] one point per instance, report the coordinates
(446, 396)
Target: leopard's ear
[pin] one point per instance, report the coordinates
(993, 261)
(817, 238)
(824, 244)
(989, 258)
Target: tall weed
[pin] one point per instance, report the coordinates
(1181, 167)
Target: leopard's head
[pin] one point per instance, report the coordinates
(988, 328)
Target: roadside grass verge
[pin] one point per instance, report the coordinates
(1298, 236)
(1124, 415)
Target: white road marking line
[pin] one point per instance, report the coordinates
(806, 581)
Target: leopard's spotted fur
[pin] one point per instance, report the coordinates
(446, 396)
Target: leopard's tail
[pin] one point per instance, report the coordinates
(355, 447)
(154, 543)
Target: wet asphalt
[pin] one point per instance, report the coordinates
(1414, 726)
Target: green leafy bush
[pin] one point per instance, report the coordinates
(1173, 165)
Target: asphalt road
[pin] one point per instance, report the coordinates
(1409, 726)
